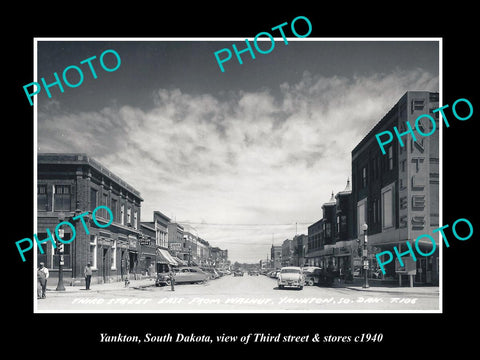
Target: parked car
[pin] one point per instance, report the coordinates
(319, 276)
(238, 273)
(211, 272)
(190, 274)
(163, 278)
(253, 273)
(291, 276)
(312, 275)
(273, 274)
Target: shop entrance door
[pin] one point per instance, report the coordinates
(105, 265)
(421, 271)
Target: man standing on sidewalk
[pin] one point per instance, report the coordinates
(88, 275)
(42, 276)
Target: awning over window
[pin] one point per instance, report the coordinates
(163, 256)
(180, 261)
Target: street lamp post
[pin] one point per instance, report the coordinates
(365, 255)
(60, 286)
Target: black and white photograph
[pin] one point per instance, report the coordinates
(260, 189)
(293, 179)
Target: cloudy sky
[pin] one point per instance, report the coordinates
(244, 157)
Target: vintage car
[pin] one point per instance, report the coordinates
(211, 272)
(312, 275)
(291, 276)
(190, 274)
(238, 273)
(163, 278)
(319, 276)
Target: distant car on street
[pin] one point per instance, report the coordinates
(291, 276)
(253, 273)
(190, 274)
(238, 273)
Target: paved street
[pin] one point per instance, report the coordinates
(242, 294)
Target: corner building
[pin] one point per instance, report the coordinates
(397, 193)
(71, 184)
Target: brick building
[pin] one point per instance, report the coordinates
(397, 194)
(72, 184)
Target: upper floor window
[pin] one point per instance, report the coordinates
(122, 214)
(93, 199)
(364, 177)
(62, 198)
(390, 158)
(387, 207)
(42, 202)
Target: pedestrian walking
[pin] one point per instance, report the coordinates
(88, 275)
(172, 278)
(42, 276)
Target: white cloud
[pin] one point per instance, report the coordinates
(248, 159)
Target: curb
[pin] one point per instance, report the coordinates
(395, 291)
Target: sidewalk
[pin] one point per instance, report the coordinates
(119, 285)
(378, 286)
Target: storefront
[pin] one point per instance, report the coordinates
(343, 257)
(134, 249)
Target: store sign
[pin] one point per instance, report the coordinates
(175, 246)
(409, 268)
(145, 241)
(132, 243)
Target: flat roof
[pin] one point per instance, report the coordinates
(84, 159)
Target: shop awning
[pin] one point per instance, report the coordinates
(179, 261)
(163, 256)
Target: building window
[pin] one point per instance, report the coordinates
(61, 198)
(364, 177)
(115, 209)
(103, 212)
(418, 104)
(129, 216)
(93, 251)
(135, 222)
(361, 215)
(390, 158)
(93, 199)
(113, 258)
(42, 202)
(387, 207)
(122, 214)
(328, 230)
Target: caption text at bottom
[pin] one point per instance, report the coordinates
(244, 339)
